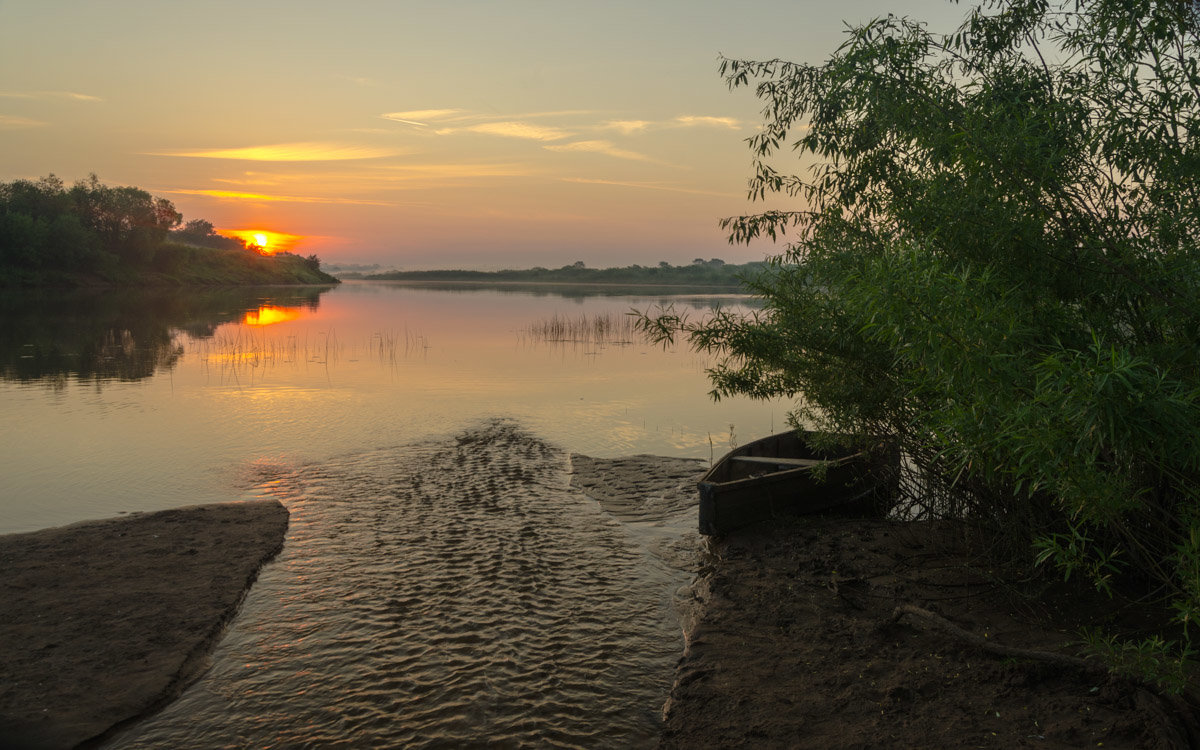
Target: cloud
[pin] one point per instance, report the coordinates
(630, 127)
(705, 121)
(512, 129)
(12, 122)
(601, 147)
(261, 197)
(627, 127)
(507, 125)
(356, 180)
(408, 171)
(415, 116)
(49, 95)
(524, 126)
(289, 152)
(648, 186)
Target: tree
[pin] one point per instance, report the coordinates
(994, 258)
(201, 233)
(41, 228)
(129, 221)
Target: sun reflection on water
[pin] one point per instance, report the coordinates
(270, 314)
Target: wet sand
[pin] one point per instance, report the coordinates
(104, 621)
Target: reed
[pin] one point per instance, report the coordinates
(239, 351)
(390, 347)
(604, 328)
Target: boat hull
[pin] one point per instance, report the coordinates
(743, 488)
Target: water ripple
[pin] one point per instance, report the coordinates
(449, 594)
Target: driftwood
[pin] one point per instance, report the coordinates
(1050, 657)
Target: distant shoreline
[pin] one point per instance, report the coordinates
(699, 273)
(574, 284)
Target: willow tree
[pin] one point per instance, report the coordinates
(989, 250)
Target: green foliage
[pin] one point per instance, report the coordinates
(995, 259)
(96, 234)
(201, 233)
(1154, 661)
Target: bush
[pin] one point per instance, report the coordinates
(996, 261)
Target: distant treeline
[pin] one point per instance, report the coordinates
(91, 233)
(708, 273)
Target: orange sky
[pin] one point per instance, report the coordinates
(415, 134)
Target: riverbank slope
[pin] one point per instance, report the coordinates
(104, 621)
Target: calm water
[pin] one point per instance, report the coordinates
(442, 583)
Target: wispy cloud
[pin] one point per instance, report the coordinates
(632, 127)
(419, 117)
(407, 171)
(512, 129)
(12, 122)
(691, 121)
(71, 95)
(626, 127)
(384, 176)
(648, 186)
(554, 126)
(602, 147)
(289, 152)
(235, 195)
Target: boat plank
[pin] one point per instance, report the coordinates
(778, 460)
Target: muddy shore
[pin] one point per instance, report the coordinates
(104, 621)
(793, 639)
(798, 645)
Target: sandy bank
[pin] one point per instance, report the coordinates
(103, 621)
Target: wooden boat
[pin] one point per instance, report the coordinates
(782, 475)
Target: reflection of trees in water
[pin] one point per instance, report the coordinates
(100, 335)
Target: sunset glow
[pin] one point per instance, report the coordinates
(264, 240)
(544, 134)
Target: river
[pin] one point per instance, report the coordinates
(443, 582)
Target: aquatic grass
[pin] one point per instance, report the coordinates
(390, 346)
(242, 351)
(607, 329)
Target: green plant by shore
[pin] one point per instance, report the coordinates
(995, 259)
(94, 234)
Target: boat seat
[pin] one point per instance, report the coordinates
(780, 461)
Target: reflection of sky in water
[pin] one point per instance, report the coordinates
(372, 366)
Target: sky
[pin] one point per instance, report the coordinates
(412, 134)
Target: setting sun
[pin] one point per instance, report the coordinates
(265, 241)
